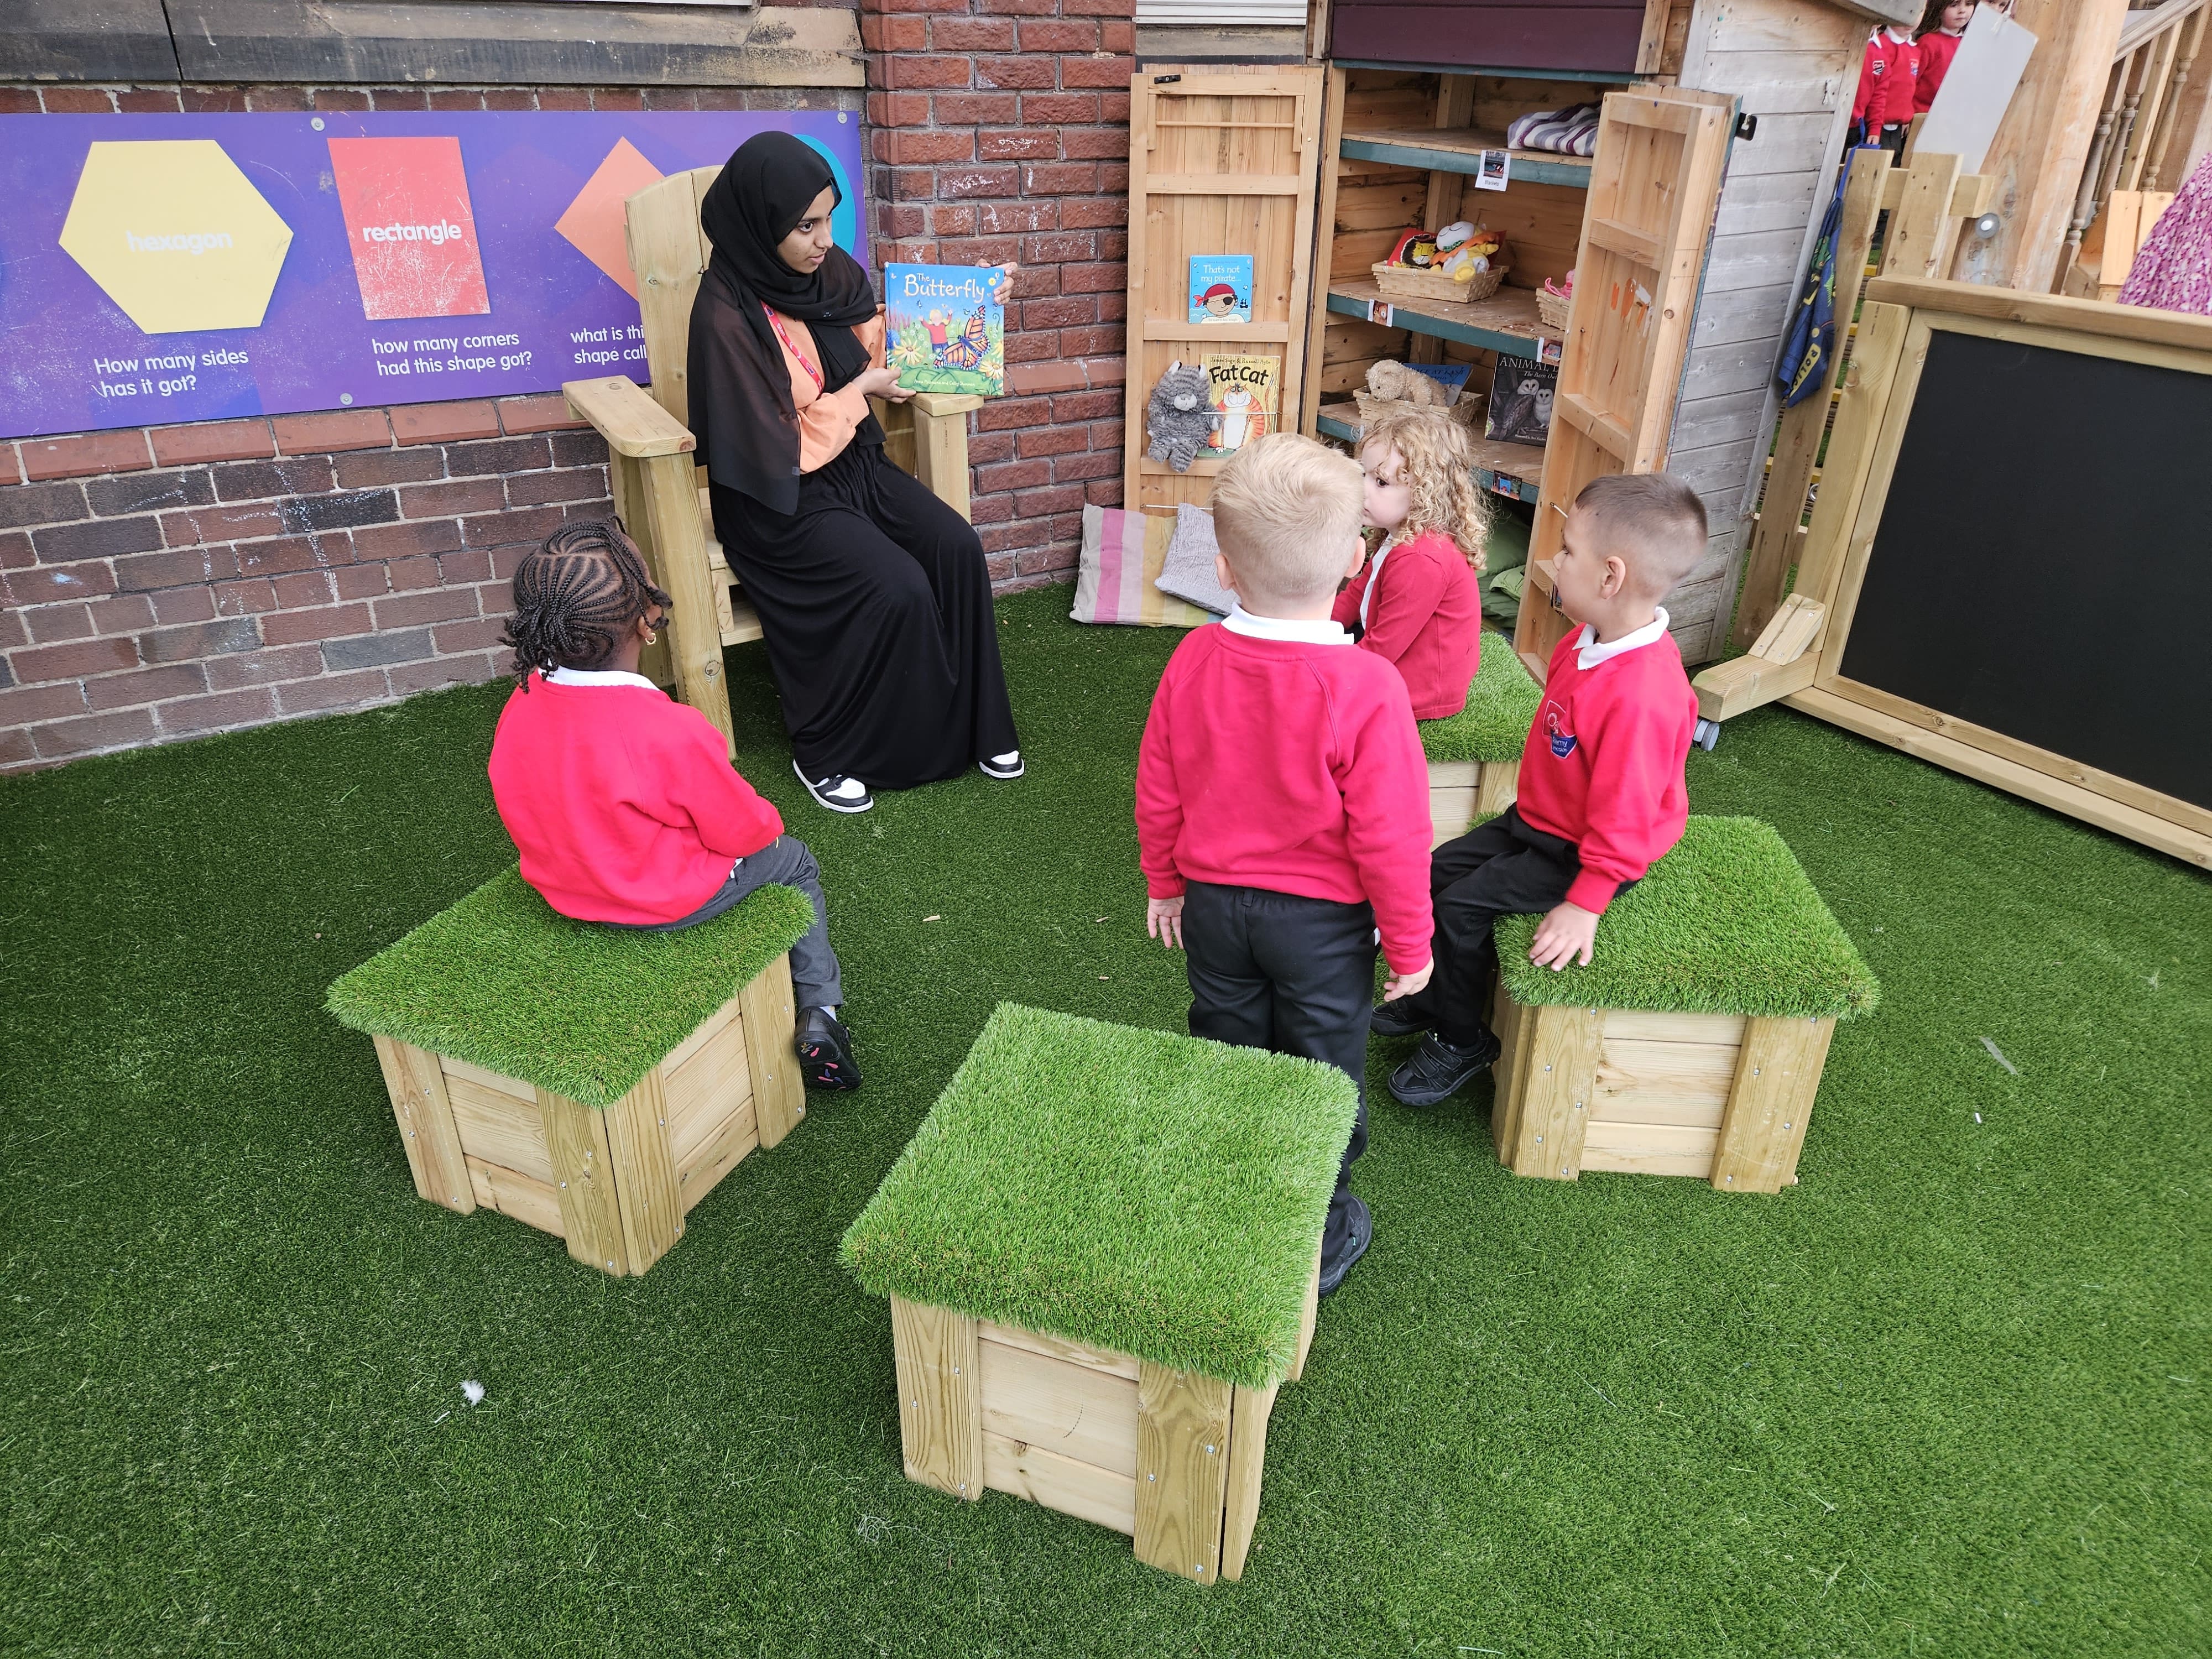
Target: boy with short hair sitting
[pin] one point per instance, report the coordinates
(622, 802)
(1282, 795)
(1602, 796)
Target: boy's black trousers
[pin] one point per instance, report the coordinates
(1295, 976)
(1501, 868)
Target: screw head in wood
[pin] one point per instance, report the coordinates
(1209, 1451)
(1540, 1141)
(1152, 1477)
(1547, 1064)
(564, 1185)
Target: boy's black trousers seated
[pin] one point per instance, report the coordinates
(1295, 976)
(1501, 868)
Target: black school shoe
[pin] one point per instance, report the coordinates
(1439, 1069)
(1002, 767)
(1359, 1233)
(835, 791)
(825, 1051)
(1398, 1018)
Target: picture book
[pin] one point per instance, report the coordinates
(943, 330)
(1221, 288)
(1452, 377)
(1521, 401)
(1245, 394)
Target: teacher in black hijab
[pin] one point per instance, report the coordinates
(873, 596)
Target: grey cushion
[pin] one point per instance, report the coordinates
(1188, 573)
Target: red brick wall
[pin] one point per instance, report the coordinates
(1000, 129)
(164, 584)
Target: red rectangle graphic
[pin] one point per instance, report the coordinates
(414, 240)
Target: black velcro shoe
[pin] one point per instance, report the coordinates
(1440, 1069)
(1359, 1233)
(1398, 1018)
(825, 1051)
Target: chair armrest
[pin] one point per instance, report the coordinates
(625, 414)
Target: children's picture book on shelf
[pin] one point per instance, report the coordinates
(1521, 401)
(1452, 377)
(943, 330)
(1243, 394)
(1221, 288)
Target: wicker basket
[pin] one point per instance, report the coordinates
(1412, 283)
(1553, 310)
(1467, 411)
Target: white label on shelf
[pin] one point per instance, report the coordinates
(1492, 170)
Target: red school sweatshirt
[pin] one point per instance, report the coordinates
(1603, 767)
(1937, 49)
(621, 802)
(1888, 78)
(1292, 763)
(1424, 613)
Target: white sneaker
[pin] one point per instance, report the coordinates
(836, 791)
(1008, 765)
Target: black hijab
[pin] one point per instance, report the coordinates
(741, 407)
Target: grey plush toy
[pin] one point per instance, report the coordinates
(1179, 417)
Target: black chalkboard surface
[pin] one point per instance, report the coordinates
(2043, 563)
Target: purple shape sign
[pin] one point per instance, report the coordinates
(156, 268)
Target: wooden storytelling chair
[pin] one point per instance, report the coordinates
(659, 491)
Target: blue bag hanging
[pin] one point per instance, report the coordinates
(1811, 340)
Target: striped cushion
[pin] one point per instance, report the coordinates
(1122, 556)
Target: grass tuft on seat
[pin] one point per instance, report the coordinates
(1130, 1190)
(1727, 923)
(1501, 701)
(503, 981)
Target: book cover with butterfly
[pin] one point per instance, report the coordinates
(944, 330)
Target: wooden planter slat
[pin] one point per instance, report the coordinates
(941, 1397)
(1183, 1470)
(1721, 1097)
(1460, 792)
(614, 1184)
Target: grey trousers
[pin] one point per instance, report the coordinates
(816, 981)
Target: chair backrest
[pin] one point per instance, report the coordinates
(668, 252)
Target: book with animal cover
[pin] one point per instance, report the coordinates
(1221, 288)
(943, 330)
(1244, 392)
(1521, 401)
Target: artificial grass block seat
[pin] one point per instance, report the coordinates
(1102, 1250)
(1474, 756)
(1693, 1042)
(594, 1082)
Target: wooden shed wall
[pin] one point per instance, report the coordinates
(1594, 36)
(1793, 64)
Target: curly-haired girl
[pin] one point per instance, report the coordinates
(623, 803)
(1417, 602)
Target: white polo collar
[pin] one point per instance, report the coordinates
(1588, 653)
(1324, 632)
(598, 677)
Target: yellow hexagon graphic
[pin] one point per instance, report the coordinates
(175, 234)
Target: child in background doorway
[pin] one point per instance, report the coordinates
(1602, 790)
(1417, 604)
(1881, 113)
(1282, 796)
(622, 801)
(1940, 28)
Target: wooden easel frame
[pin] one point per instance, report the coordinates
(1900, 317)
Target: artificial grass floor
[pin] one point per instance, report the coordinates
(1947, 1397)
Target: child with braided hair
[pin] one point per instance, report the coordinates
(620, 800)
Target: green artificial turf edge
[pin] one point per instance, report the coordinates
(1135, 1190)
(1501, 701)
(1727, 923)
(502, 981)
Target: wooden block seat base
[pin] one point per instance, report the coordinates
(1722, 1096)
(1474, 756)
(1078, 1203)
(612, 1178)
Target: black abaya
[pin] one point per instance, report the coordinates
(876, 607)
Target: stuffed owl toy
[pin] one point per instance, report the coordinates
(1179, 415)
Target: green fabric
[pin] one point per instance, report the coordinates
(503, 981)
(1505, 564)
(1948, 1397)
(1501, 701)
(1130, 1190)
(1727, 923)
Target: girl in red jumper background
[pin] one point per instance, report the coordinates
(1940, 28)
(1417, 602)
(622, 802)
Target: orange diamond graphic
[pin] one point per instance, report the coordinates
(593, 222)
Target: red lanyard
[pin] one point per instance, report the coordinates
(776, 323)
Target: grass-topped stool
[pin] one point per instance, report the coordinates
(1474, 756)
(594, 1082)
(1692, 1045)
(1102, 1250)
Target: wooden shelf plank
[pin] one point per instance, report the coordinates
(1513, 470)
(1460, 151)
(1506, 322)
(1226, 334)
